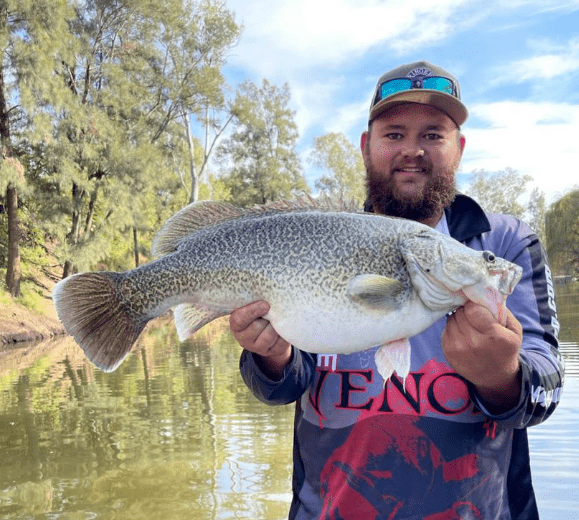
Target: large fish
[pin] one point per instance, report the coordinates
(337, 281)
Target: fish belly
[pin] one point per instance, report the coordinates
(346, 329)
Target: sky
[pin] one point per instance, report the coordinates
(517, 63)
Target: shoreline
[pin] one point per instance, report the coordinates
(19, 324)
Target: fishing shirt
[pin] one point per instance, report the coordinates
(425, 448)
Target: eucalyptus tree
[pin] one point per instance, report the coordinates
(342, 161)
(193, 46)
(536, 212)
(499, 192)
(260, 153)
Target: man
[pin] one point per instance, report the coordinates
(451, 443)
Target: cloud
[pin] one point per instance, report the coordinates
(551, 60)
(331, 53)
(533, 138)
(295, 35)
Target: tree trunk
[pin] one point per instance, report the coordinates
(74, 233)
(68, 269)
(13, 271)
(194, 194)
(90, 214)
(136, 245)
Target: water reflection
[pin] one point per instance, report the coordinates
(553, 445)
(174, 433)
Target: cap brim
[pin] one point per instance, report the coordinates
(452, 106)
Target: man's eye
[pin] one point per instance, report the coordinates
(433, 137)
(395, 136)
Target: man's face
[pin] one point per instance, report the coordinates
(411, 155)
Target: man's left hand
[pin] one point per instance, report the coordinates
(486, 353)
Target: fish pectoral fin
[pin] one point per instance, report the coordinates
(393, 357)
(375, 291)
(190, 318)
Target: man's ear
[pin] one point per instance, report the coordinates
(363, 140)
(462, 142)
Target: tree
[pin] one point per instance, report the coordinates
(536, 209)
(10, 170)
(29, 31)
(334, 153)
(562, 232)
(261, 149)
(499, 192)
(106, 141)
(193, 45)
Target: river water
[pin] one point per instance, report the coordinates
(175, 434)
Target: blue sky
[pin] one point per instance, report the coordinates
(517, 63)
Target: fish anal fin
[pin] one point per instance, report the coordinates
(190, 318)
(375, 291)
(393, 357)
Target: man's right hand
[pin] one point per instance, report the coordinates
(257, 335)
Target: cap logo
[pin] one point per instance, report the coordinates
(419, 71)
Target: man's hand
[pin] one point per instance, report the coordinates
(257, 335)
(486, 353)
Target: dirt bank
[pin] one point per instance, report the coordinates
(19, 323)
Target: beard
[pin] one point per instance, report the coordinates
(385, 197)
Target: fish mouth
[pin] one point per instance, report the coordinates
(508, 278)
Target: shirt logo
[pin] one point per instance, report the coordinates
(327, 362)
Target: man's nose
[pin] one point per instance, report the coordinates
(412, 150)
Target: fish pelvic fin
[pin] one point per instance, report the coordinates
(93, 313)
(201, 214)
(190, 318)
(375, 291)
(394, 357)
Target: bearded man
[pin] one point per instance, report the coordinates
(452, 441)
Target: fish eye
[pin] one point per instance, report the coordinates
(489, 257)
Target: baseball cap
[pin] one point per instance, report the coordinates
(419, 82)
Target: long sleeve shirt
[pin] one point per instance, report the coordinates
(426, 448)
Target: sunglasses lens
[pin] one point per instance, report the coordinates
(393, 86)
(441, 84)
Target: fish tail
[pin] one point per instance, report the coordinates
(93, 311)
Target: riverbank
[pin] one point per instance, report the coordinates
(31, 317)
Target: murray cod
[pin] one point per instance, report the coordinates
(337, 281)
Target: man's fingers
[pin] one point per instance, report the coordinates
(240, 319)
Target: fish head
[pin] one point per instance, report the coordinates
(492, 290)
(446, 273)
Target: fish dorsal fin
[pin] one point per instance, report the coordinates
(375, 291)
(206, 213)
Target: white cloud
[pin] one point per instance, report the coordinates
(533, 138)
(289, 36)
(551, 60)
(323, 48)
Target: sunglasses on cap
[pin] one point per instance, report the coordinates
(392, 86)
